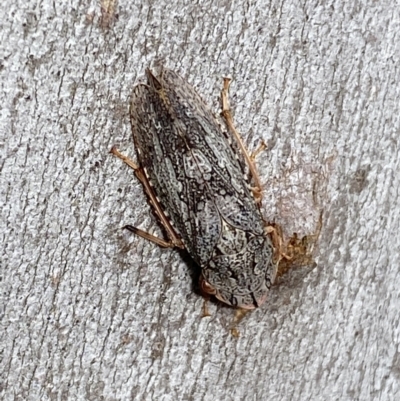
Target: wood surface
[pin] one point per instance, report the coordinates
(92, 312)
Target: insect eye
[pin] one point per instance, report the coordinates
(206, 287)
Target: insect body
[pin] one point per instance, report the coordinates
(199, 183)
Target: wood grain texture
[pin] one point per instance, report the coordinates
(89, 312)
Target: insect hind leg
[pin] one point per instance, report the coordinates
(174, 240)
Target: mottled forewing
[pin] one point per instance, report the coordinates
(163, 154)
(214, 153)
(193, 169)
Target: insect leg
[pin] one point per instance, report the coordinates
(295, 252)
(159, 241)
(239, 315)
(260, 149)
(277, 242)
(206, 312)
(174, 240)
(226, 112)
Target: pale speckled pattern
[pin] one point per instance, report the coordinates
(90, 312)
(201, 181)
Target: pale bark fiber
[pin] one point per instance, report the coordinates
(91, 312)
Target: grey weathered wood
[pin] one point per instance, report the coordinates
(89, 312)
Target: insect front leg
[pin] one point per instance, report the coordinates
(239, 315)
(275, 232)
(226, 113)
(174, 240)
